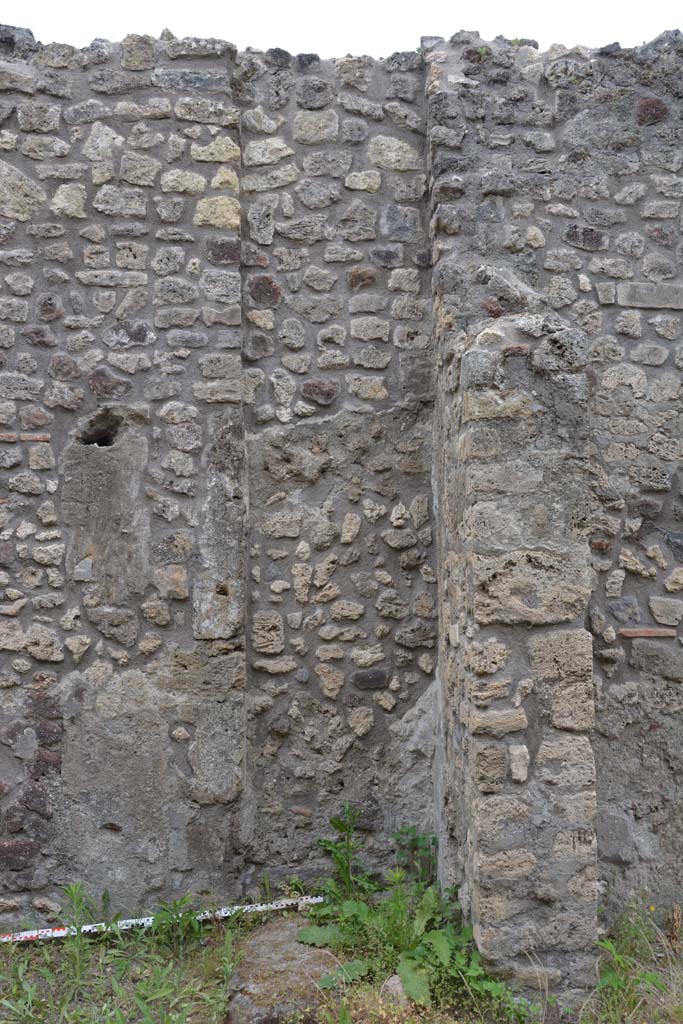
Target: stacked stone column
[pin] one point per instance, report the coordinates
(516, 662)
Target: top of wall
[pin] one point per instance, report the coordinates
(143, 52)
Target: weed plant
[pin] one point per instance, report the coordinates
(641, 973)
(403, 926)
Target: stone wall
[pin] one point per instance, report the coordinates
(337, 359)
(340, 455)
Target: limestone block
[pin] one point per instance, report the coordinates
(566, 762)
(563, 664)
(533, 586)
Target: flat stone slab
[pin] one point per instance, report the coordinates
(645, 295)
(277, 977)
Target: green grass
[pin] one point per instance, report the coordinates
(641, 972)
(180, 971)
(175, 973)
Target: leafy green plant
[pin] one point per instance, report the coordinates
(20, 995)
(350, 878)
(265, 889)
(640, 974)
(342, 1015)
(293, 887)
(228, 958)
(174, 923)
(347, 973)
(622, 986)
(626, 974)
(416, 854)
(80, 911)
(407, 927)
(445, 965)
(436, 961)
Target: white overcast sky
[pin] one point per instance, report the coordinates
(336, 27)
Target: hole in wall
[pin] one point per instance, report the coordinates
(103, 430)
